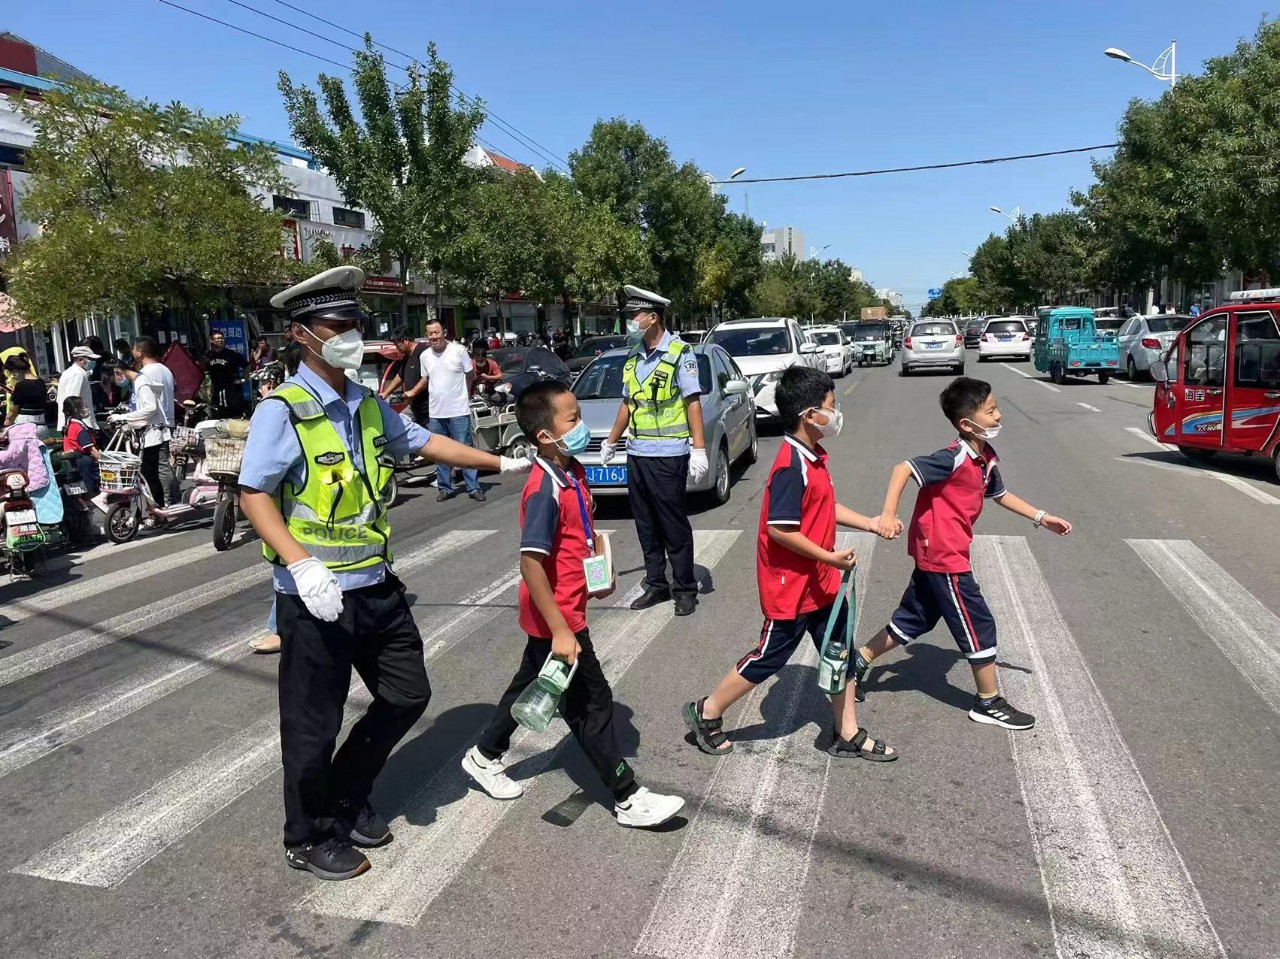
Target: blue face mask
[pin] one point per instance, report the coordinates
(576, 440)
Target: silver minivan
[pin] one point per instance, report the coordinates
(933, 344)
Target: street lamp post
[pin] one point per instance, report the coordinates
(1014, 217)
(712, 183)
(1164, 68)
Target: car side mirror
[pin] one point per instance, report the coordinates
(808, 347)
(1159, 372)
(736, 387)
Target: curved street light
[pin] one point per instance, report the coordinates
(1014, 217)
(1164, 68)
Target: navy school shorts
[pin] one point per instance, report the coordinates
(780, 637)
(954, 597)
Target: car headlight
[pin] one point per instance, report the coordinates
(772, 377)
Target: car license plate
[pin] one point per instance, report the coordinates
(1005, 338)
(18, 516)
(607, 475)
(75, 489)
(933, 346)
(26, 529)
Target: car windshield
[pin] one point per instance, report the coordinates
(871, 331)
(757, 341)
(1006, 326)
(602, 380)
(827, 339)
(1167, 324)
(600, 344)
(933, 329)
(509, 360)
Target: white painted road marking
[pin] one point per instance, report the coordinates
(1115, 883)
(1235, 482)
(1148, 438)
(1091, 409)
(735, 887)
(1246, 631)
(1048, 386)
(1021, 373)
(409, 874)
(53, 730)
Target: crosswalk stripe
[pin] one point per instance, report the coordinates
(20, 609)
(1148, 438)
(735, 887)
(1091, 409)
(110, 849)
(409, 874)
(1246, 631)
(1115, 883)
(26, 744)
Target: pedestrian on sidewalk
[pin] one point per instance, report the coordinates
(310, 484)
(449, 377)
(74, 381)
(556, 539)
(410, 377)
(798, 568)
(661, 413)
(953, 483)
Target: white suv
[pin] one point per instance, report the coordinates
(763, 347)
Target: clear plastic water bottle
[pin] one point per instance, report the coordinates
(537, 705)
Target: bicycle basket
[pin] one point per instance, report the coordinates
(223, 455)
(118, 470)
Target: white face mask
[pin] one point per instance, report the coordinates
(634, 325)
(990, 433)
(345, 351)
(834, 424)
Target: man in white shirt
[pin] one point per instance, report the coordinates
(154, 388)
(74, 381)
(450, 376)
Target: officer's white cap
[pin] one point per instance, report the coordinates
(329, 294)
(638, 299)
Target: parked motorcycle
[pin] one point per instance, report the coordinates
(77, 501)
(22, 551)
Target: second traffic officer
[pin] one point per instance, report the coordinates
(662, 405)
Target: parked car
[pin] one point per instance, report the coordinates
(592, 347)
(836, 350)
(973, 331)
(1109, 325)
(522, 366)
(1144, 338)
(933, 344)
(1005, 337)
(728, 420)
(763, 347)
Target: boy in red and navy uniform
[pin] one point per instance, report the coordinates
(954, 482)
(555, 533)
(797, 567)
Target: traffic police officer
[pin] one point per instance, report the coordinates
(662, 406)
(311, 484)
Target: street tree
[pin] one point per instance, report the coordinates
(400, 158)
(138, 204)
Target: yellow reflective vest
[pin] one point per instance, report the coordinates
(657, 406)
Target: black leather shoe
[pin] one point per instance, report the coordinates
(652, 597)
(686, 603)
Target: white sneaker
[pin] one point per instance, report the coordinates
(490, 775)
(647, 809)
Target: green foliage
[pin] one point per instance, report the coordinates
(401, 158)
(823, 290)
(138, 204)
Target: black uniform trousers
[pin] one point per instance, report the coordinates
(587, 706)
(377, 635)
(655, 486)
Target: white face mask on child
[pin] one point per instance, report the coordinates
(990, 433)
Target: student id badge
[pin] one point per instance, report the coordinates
(599, 567)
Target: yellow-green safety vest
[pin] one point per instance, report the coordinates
(336, 514)
(657, 406)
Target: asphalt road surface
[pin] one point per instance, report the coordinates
(139, 763)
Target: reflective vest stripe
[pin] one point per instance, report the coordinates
(657, 406)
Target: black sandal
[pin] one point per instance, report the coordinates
(852, 748)
(709, 733)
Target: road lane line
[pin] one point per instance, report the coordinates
(438, 833)
(1091, 409)
(1115, 882)
(1148, 438)
(82, 589)
(26, 744)
(735, 887)
(1022, 373)
(1048, 386)
(1235, 482)
(1246, 631)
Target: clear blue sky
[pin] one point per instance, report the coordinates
(781, 88)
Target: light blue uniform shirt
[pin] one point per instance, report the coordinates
(686, 379)
(273, 453)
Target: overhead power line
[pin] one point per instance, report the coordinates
(917, 169)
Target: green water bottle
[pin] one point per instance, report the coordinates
(538, 703)
(833, 659)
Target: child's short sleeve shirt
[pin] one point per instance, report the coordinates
(953, 484)
(551, 527)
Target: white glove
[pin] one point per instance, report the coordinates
(514, 464)
(116, 418)
(607, 452)
(318, 588)
(697, 464)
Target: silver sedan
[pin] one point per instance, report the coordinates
(933, 344)
(1145, 338)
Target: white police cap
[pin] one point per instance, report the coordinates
(329, 294)
(638, 299)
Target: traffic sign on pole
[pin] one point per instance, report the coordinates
(934, 294)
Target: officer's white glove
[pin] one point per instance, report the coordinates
(515, 464)
(607, 452)
(117, 418)
(697, 464)
(318, 588)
